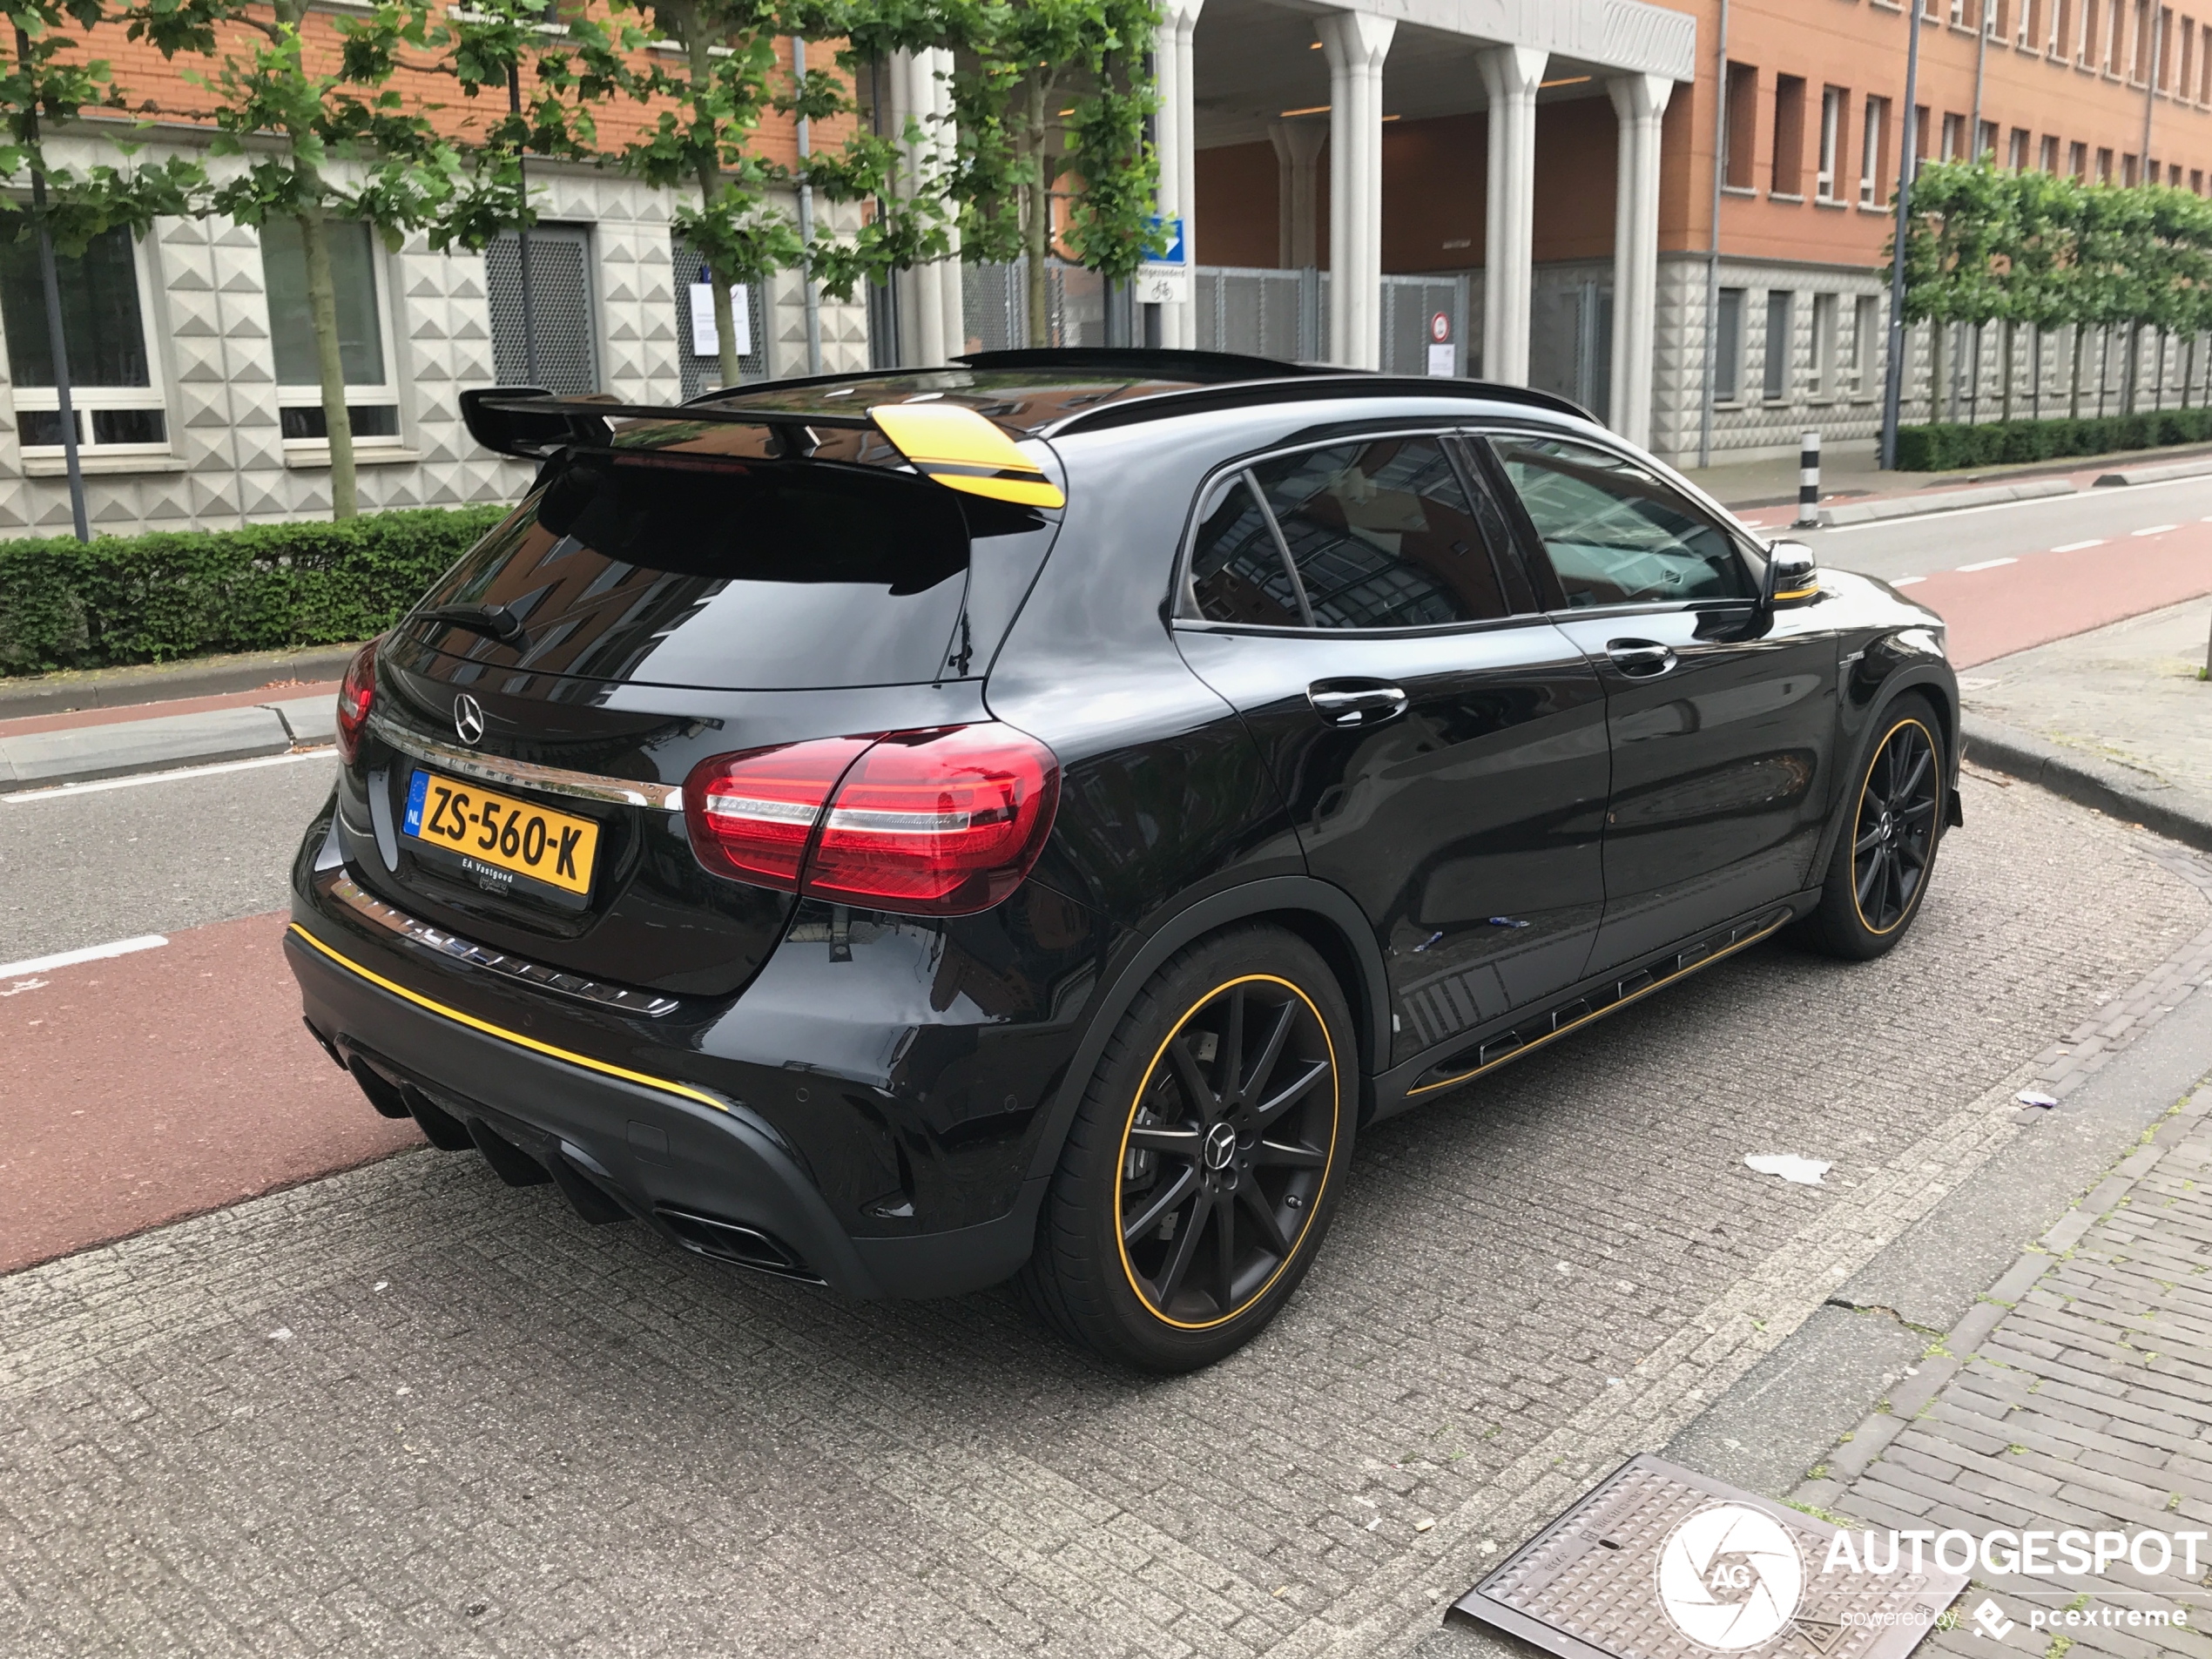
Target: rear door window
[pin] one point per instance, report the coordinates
(1614, 533)
(679, 570)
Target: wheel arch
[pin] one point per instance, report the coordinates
(1324, 915)
(1934, 680)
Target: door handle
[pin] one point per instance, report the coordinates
(1640, 659)
(1355, 702)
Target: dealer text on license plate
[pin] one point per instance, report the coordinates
(490, 828)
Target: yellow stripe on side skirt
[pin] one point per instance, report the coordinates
(516, 1037)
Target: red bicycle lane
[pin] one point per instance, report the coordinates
(146, 1088)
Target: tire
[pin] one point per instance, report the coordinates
(1885, 855)
(1130, 1257)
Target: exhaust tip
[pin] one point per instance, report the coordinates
(736, 1242)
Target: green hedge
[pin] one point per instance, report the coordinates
(1941, 447)
(64, 603)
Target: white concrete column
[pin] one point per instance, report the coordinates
(1355, 44)
(1297, 151)
(1510, 75)
(1639, 101)
(950, 287)
(1177, 196)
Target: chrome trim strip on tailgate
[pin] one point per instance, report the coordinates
(523, 774)
(366, 905)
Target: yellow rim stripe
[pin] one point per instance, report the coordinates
(1336, 1082)
(1599, 1014)
(1935, 756)
(504, 1036)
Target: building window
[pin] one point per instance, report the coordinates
(1821, 383)
(2197, 181)
(1954, 138)
(1780, 306)
(114, 378)
(1874, 152)
(555, 326)
(2016, 158)
(2104, 166)
(1985, 142)
(2024, 37)
(1865, 343)
(2085, 42)
(2184, 76)
(2077, 163)
(1920, 137)
(364, 342)
(1788, 136)
(1832, 101)
(2058, 14)
(2204, 73)
(2127, 169)
(1741, 126)
(1958, 14)
(2049, 159)
(1727, 346)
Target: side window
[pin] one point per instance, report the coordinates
(1382, 536)
(1236, 569)
(1615, 534)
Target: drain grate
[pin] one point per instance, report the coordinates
(1658, 1562)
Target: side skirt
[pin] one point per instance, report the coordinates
(1460, 1061)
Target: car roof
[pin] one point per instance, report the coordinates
(1043, 393)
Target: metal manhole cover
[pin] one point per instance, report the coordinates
(1658, 1562)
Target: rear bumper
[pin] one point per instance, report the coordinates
(704, 1172)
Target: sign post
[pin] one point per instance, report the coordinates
(1165, 279)
(1440, 344)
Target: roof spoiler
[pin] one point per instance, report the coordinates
(948, 443)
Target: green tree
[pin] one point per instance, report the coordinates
(1052, 100)
(2046, 216)
(290, 109)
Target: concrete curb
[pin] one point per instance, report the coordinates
(83, 754)
(2157, 474)
(2121, 792)
(1867, 512)
(158, 682)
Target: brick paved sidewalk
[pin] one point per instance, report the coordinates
(2076, 1395)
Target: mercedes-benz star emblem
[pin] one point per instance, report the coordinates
(469, 719)
(1221, 1146)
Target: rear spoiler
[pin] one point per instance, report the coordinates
(947, 442)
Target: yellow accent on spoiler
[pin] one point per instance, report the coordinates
(958, 448)
(501, 1032)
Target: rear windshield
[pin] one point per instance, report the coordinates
(684, 571)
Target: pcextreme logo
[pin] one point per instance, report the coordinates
(1730, 1577)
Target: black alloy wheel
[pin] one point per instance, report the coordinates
(1205, 1160)
(1893, 838)
(1225, 1151)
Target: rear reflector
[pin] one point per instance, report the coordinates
(945, 821)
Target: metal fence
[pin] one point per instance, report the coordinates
(1286, 313)
(555, 326)
(995, 305)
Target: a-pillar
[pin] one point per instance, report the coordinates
(1510, 77)
(1639, 101)
(1178, 195)
(1297, 150)
(1355, 44)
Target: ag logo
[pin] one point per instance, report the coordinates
(1730, 1577)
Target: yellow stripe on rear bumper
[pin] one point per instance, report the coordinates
(504, 1036)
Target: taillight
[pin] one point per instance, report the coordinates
(355, 694)
(939, 822)
(750, 815)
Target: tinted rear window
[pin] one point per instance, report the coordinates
(678, 570)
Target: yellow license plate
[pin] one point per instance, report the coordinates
(516, 836)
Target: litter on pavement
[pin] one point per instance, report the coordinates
(1806, 1173)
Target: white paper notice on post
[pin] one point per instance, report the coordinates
(705, 342)
(1439, 359)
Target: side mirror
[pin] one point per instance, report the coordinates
(1792, 576)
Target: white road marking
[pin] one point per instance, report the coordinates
(23, 798)
(2155, 529)
(33, 965)
(2075, 547)
(1986, 564)
(1907, 581)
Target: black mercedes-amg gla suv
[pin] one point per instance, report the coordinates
(910, 830)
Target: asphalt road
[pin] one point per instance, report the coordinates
(1934, 541)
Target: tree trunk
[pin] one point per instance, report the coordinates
(2131, 368)
(2104, 368)
(2012, 344)
(1939, 352)
(1038, 231)
(2188, 371)
(323, 312)
(2074, 398)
